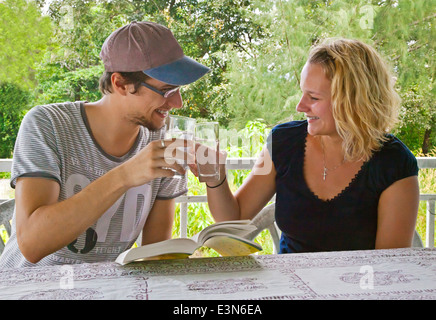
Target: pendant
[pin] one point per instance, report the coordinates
(324, 174)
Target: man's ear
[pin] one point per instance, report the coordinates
(118, 84)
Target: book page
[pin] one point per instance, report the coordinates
(232, 246)
(166, 256)
(238, 227)
(179, 247)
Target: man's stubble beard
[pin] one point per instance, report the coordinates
(143, 121)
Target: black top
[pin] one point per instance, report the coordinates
(346, 222)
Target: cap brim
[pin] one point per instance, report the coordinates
(180, 72)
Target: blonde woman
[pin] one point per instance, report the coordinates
(342, 182)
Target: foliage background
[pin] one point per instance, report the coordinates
(255, 48)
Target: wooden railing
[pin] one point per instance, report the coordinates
(247, 163)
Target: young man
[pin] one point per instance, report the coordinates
(89, 177)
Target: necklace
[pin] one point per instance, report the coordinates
(324, 174)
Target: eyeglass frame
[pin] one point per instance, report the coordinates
(166, 94)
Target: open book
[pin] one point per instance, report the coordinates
(226, 238)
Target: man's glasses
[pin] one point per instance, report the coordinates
(165, 94)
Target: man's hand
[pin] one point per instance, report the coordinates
(154, 161)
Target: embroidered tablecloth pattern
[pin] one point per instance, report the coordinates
(373, 274)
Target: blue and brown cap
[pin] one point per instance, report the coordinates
(151, 48)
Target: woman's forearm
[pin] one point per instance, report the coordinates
(222, 203)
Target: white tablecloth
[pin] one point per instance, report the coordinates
(376, 274)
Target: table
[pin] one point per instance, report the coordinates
(375, 274)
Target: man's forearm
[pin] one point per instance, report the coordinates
(51, 227)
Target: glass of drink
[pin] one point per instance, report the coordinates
(180, 128)
(207, 151)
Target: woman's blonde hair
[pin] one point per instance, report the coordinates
(364, 102)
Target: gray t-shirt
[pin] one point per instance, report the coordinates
(55, 142)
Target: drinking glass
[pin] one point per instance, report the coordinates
(180, 128)
(207, 151)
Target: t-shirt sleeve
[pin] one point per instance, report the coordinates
(171, 188)
(285, 142)
(406, 166)
(396, 162)
(35, 152)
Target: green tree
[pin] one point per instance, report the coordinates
(24, 38)
(203, 28)
(264, 83)
(57, 85)
(405, 31)
(206, 29)
(255, 48)
(72, 68)
(268, 87)
(14, 101)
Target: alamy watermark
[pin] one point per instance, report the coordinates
(66, 281)
(365, 14)
(367, 19)
(67, 17)
(367, 279)
(236, 145)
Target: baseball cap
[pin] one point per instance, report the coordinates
(151, 48)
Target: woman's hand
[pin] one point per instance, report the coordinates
(205, 161)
